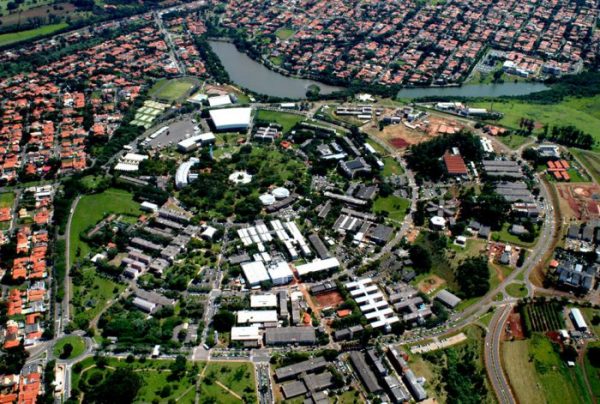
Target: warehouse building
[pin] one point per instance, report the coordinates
(318, 266)
(448, 299)
(248, 336)
(365, 374)
(255, 273)
(307, 366)
(193, 142)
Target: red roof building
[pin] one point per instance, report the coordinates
(455, 165)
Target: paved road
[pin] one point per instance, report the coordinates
(493, 363)
(65, 306)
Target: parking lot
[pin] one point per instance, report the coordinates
(175, 133)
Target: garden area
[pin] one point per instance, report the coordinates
(228, 382)
(541, 316)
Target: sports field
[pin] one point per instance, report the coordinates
(174, 89)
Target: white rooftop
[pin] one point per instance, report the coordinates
(318, 265)
(262, 301)
(250, 333)
(255, 272)
(256, 316)
(231, 118)
(219, 101)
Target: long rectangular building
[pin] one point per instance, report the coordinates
(307, 366)
(367, 377)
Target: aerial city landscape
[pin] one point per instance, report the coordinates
(300, 201)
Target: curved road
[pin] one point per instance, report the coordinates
(493, 362)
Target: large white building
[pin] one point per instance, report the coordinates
(256, 316)
(263, 301)
(130, 162)
(255, 273)
(219, 101)
(372, 303)
(280, 273)
(231, 118)
(249, 336)
(317, 266)
(193, 142)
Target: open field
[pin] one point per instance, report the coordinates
(583, 113)
(286, 120)
(538, 374)
(14, 37)
(593, 373)
(91, 209)
(394, 206)
(76, 342)
(174, 89)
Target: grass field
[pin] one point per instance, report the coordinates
(593, 374)
(391, 167)
(394, 205)
(513, 141)
(286, 120)
(537, 373)
(7, 199)
(91, 209)
(284, 33)
(516, 290)
(237, 377)
(14, 37)
(590, 160)
(174, 89)
(583, 113)
(77, 343)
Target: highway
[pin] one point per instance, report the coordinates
(493, 363)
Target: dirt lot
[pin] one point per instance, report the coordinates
(430, 284)
(514, 327)
(329, 300)
(578, 201)
(401, 135)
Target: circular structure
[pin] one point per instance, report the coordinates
(280, 193)
(240, 177)
(438, 222)
(69, 347)
(267, 199)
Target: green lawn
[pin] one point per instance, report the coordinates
(394, 205)
(583, 113)
(513, 141)
(538, 374)
(236, 376)
(593, 374)
(14, 37)
(505, 237)
(7, 199)
(516, 290)
(284, 33)
(174, 89)
(285, 119)
(91, 209)
(391, 167)
(78, 346)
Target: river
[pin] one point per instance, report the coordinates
(254, 76)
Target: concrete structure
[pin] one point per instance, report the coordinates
(263, 301)
(256, 316)
(249, 336)
(255, 273)
(318, 266)
(193, 142)
(447, 298)
(290, 336)
(372, 303)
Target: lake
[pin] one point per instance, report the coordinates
(254, 76)
(474, 90)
